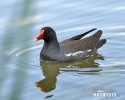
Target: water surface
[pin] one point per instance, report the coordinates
(24, 77)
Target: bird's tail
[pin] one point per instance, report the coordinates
(101, 43)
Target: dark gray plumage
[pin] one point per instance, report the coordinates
(71, 49)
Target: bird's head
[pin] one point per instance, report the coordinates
(46, 33)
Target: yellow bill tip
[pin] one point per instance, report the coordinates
(35, 40)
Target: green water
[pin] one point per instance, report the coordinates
(24, 77)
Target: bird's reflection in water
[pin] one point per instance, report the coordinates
(51, 70)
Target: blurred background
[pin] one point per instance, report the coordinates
(24, 77)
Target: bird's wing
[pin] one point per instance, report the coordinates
(77, 37)
(83, 44)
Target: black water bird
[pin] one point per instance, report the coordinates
(72, 49)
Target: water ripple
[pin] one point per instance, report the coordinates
(120, 8)
(28, 49)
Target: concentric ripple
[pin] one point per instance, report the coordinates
(17, 57)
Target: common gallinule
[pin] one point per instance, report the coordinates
(71, 49)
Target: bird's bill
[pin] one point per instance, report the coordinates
(40, 36)
(36, 40)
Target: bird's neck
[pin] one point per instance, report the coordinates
(51, 45)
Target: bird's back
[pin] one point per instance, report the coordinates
(84, 44)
